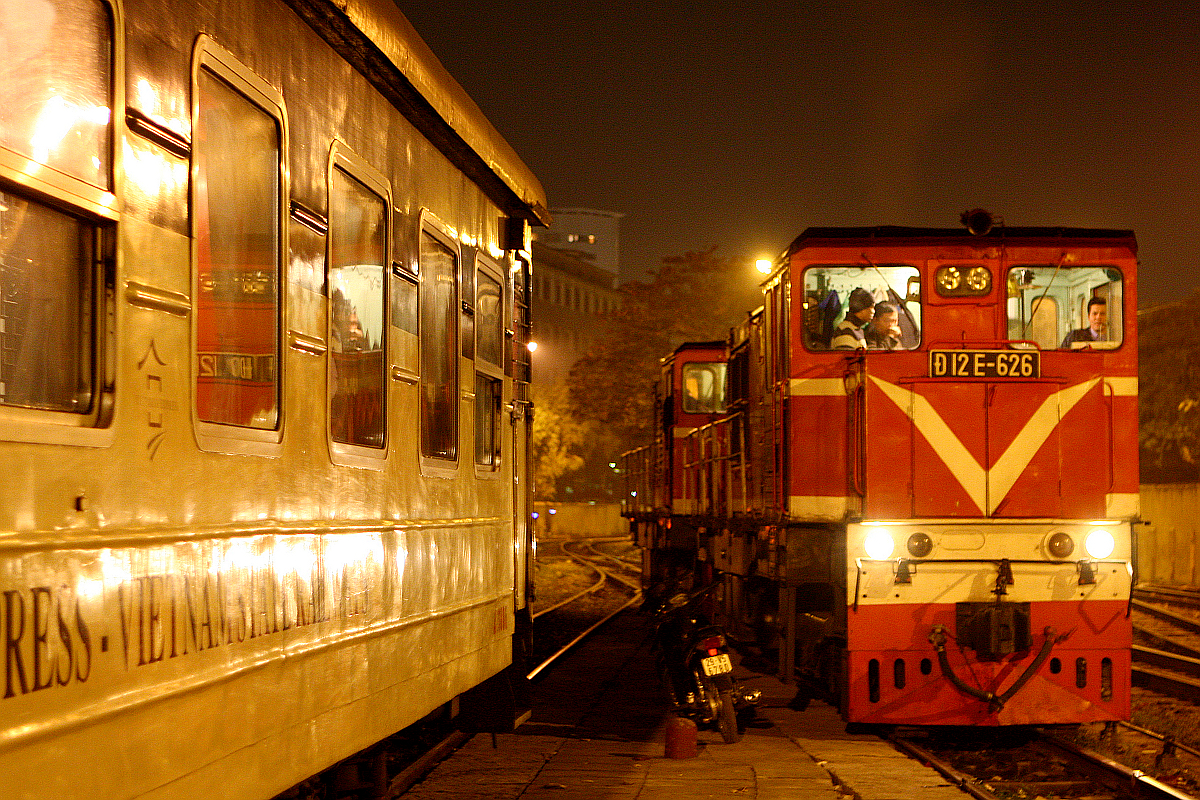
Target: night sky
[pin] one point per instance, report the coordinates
(740, 124)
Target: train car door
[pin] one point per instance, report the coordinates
(521, 370)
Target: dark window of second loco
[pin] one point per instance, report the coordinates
(357, 291)
(439, 313)
(704, 387)
(237, 150)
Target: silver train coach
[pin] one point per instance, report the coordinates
(263, 392)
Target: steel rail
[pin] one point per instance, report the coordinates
(1190, 624)
(1169, 594)
(1138, 780)
(1164, 682)
(1166, 740)
(962, 780)
(593, 588)
(1184, 665)
(565, 648)
(637, 587)
(605, 575)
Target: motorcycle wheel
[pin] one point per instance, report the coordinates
(727, 719)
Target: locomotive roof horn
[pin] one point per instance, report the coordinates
(978, 221)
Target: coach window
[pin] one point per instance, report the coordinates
(827, 297)
(404, 322)
(439, 315)
(489, 362)
(467, 292)
(1068, 308)
(57, 225)
(357, 285)
(237, 196)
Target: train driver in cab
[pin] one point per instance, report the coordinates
(883, 332)
(849, 334)
(1097, 309)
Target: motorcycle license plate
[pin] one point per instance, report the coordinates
(717, 665)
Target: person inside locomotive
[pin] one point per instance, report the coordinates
(1097, 309)
(883, 332)
(849, 335)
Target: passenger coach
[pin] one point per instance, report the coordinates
(263, 392)
(931, 518)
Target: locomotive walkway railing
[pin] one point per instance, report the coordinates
(714, 467)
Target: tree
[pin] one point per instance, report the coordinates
(555, 439)
(697, 296)
(1169, 392)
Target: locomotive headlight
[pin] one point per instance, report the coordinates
(979, 279)
(1100, 543)
(963, 281)
(919, 545)
(1060, 545)
(878, 543)
(949, 279)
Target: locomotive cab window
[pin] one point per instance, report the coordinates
(439, 346)
(875, 308)
(57, 218)
(1065, 308)
(239, 143)
(489, 363)
(704, 387)
(358, 304)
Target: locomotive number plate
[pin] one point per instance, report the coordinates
(985, 364)
(717, 665)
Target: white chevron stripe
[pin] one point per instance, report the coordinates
(1025, 445)
(953, 453)
(987, 488)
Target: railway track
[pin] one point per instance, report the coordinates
(563, 624)
(1166, 653)
(611, 585)
(1045, 766)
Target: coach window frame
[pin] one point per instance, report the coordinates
(430, 225)
(98, 210)
(228, 69)
(357, 169)
(487, 370)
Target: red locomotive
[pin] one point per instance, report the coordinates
(920, 474)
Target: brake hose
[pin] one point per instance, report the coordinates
(938, 637)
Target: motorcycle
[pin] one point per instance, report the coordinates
(694, 662)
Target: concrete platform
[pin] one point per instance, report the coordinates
(598, 733)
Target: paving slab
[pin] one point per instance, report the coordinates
(598, 732)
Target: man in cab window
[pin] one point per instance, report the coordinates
(849, 335)
(884, 331)
(1097, 309)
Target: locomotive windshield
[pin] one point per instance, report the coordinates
(1067, 308)
(862, 307)
(704, 387)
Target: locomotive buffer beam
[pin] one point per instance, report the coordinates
(938, 638)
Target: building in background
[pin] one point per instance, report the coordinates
(594, 235)
(571, 296)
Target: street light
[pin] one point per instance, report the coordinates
(763, 265)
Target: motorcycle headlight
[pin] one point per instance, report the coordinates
(1100, 543)
(878, 543)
